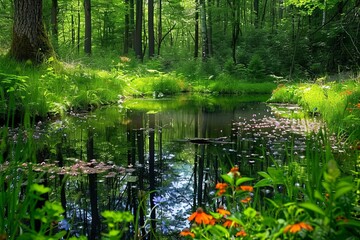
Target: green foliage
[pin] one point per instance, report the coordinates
(116, 223)
(322, 212)
(256, 68)
(337, 103)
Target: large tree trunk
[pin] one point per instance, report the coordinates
(29, 39)
(138, 29)
(87, 43)
(151, 28)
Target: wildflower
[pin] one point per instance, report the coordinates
(246, 200)
(223, 211)
(234, 171)
(230, 223)
(358, 105)
(241, 233)
(222, 188)
(246, 188)
(294, 228)
(200, 217)
(186, 232)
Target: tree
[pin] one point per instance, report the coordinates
(196, 34)
(204, 34)
(87, 43)
(138, 29)
(54, 21)
(151, 28)
(29, 39)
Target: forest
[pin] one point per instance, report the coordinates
(169, 119)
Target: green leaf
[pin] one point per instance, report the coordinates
(263, 183)
(312, 207)
(250, 212)
(227, 178)
(242, 180)
(342, 190)
(264, 175)
(41, 189)
(318, 195)
(349, 222)
(272, 202)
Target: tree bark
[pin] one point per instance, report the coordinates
(138, 29)
(204, 39)
(29, 40)
(151, 28)
(196, 35)
(159, 26)
(87, 42)
(127, 28)
(54, 22)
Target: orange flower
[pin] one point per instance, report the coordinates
(294, 228)
(246, 188)
(246, 200)
(241, 233)
(358, 105)
(222, 188)
(200, 217)
(187, 232)
(234, 171)
(230, 223)
(223, 211)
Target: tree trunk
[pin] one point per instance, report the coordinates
(78, 28)
(235, 15)
(87, 43)
(210, 28)
(29, 40)
(132, 24)
(127, 28)
(151, 28)
(204, 41)
(196, 37)
(138, 29)
(256, 12)
(54, 22)
(159, 26)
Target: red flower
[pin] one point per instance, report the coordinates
(200, 217)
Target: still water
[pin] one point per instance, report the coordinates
(161, 158)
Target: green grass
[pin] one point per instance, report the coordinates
(57, 87)
(336, 102)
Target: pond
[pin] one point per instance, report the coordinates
(161, 158)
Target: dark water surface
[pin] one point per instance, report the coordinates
(161, 158)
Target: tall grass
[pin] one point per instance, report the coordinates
(336, 102)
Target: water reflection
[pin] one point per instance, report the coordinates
(160, 159)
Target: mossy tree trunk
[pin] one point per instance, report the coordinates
(29, 40)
